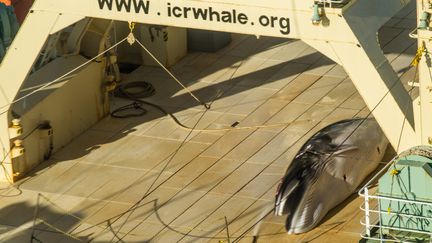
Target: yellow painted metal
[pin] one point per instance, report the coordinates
(424, 120)
(70, 106)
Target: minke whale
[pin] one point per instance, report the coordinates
(329, 167)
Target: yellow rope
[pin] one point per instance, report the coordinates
(418, 56)
(394, 172)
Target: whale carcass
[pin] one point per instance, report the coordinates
(329, 167)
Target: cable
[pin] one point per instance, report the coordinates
(172, 75)
(2, 163)
(217, 96)
(65, 212)
(258, 174)
(271, 211)
(231, 129)
(227, 129)
(38, 220)
(133, 91)
(146, 90)
(133, 208)
(137, 110)
(415, 63)
(364, 119)
(330, 156)
(209, 167)
(175, 119)
(33, 238)
(137, 204)
(186, 164)
(406, 108)
(43, 87)
(220, 181)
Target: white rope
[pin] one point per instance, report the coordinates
(43, 87)
(61, 77)
(172, 75)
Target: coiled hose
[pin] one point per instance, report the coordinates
(134, 91)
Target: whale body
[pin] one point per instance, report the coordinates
(329, 167)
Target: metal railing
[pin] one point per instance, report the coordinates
(373, 213)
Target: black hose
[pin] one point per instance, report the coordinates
(124, 111)
(133, 91)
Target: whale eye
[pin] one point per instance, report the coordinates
(344, 177)
(378, 149)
